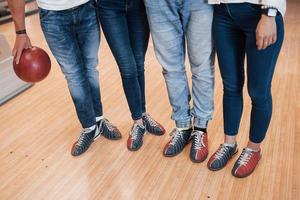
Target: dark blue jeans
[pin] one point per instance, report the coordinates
(73, 37)
(234, 30)
(125, 27)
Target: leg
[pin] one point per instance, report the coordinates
(230, 46)
(168, 37)
(201, 56)
(88, 37)
(139, 37)
(58, 30)
(115, 28)
(261, 65)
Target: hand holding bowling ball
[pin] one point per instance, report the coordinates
(34, 65)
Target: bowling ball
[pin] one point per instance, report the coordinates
(34, 65)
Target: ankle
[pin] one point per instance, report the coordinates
(204, 130)
(231, 140)
(139, 122)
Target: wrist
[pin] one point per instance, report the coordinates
(269, 11)
(265, 17)
(21, 32)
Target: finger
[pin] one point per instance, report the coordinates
(28, 45)
(271, 41)
(18, 56)
(274, 39)
(13, 53)
(265, 43)
(259, 43)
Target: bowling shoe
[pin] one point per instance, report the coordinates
(221, 157)
(135, 139)
(85, 140)
(108, 130)
(246, 163)
(199, 148)
(153, 126)
(180, 138)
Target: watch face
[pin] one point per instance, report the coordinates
(272, 12)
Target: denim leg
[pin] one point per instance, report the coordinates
(169, 43)
(261, 65)
(201, 56)
(139, 37)
(88, 37)
(230, 47)
(59, 32)
(115, 28)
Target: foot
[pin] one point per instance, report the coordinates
(178, 141)
(199, 148)
(153, 126)
(221, 157)
(246, 163)
(108, 130)
(85, 140)
(135, 139)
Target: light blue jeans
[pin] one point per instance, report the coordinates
(176, 25)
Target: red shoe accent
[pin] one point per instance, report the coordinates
(129, 142)
(166, 148)
(200, 153)
(246, 163)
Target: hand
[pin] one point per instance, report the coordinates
(22, 42)
(266, 32)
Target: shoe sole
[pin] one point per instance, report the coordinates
(217, 169)
(119, 138)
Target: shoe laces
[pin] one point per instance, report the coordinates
(245, 157)
(81, 138)
(108, 124)
(135, 131)
(221, 151)
(199, 136)
(176, 135)
(150, 120)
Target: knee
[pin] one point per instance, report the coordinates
(259, 96)
(169, 71)
(233, 89)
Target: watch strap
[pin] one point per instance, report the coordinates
(20, 32)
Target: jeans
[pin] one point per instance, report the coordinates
(173, 24)
(73, 37)
(126, 29)
(234, 29)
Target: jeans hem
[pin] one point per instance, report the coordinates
(87, 125)
(256, 141)
(201, 123)
(137, 118)
(231, 134)
(183, 124)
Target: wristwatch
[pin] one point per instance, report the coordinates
(269, 11)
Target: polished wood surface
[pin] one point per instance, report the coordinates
(39, 126)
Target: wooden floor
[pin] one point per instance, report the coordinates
(38, 128)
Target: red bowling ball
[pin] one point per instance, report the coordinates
(34, 65)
